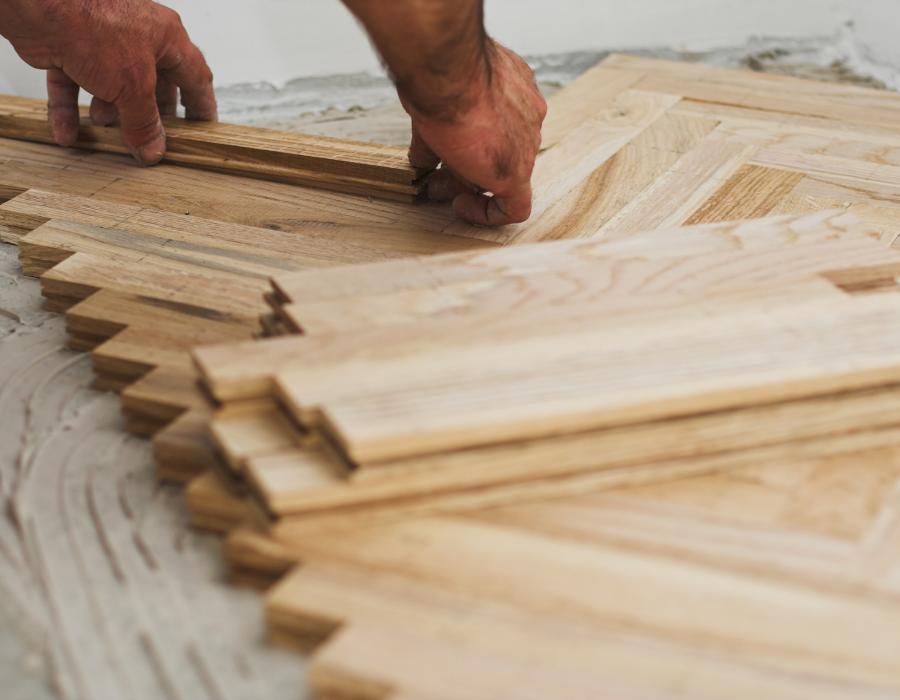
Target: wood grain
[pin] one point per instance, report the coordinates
(684, 534)
(317, 161)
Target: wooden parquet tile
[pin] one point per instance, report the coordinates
(752, 553)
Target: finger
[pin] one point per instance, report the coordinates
(444, 186)
(420, 154)
(142, 129)
(184, 65)
(166, 95)
(103, 113)
(484, 210)
(62, 107)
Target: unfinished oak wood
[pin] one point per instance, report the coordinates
(603, 274)
(317, 161)
(267, 250)
(562, 273)
(756, 620)
(767, 520)
(308, 480)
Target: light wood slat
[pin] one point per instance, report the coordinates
(839, 102)
(210, 195)
(82, 274)
(726, 357)
(674, 197)
(310, 160)
(428, 273)
(825, 92)
(825, 165)
(305, 482)
(212, 506)
(774, 623)
(250, 430)
(739, 515)
(278, 250)
(588, 207)
(182, 450)
(752, 192)
(503, 648)
(152, 402)
(582, 99)
(571, 278)
(230, 377)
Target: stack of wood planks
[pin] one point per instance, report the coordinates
(452, 381)
(317, 161)
(654, 454)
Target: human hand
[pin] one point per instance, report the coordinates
(133, 56)
(489, 145)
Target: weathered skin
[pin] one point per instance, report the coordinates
(132, 55)
(474, 104)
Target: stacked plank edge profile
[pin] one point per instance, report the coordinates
(452, 382)
(537, 579)
(318, 161)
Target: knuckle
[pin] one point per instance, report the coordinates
(171, 18)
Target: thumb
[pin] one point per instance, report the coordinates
(142, 129)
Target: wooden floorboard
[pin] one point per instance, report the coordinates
(715, 552)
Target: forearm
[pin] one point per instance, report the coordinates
(437, 51)
(21, 19)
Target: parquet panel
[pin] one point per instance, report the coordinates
(317, 161)
(722, 566)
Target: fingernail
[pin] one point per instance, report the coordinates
(151, 154)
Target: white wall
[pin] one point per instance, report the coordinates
(877, 24)
(276, 40)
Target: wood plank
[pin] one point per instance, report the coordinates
(581, 100)
(614, 586)
(306, 482)
(493, 285)
(182, 450)
(587, 208)
(674, 197)
(317, 161)
(752, 192)
(427, 273)
(245, 244)
(230, 377)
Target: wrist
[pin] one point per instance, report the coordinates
(447, 89)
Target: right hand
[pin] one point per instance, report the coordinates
(132, 55)
(489, 146)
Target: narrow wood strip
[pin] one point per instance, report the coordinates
(290, 484)
(315, 161)
(752, 192)
(675, 196)
(586, 209)
(182, 449)
(635, 282)
(586, 96)
(248, 430)
(81, 275)
(362, 282)
(779, 625)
